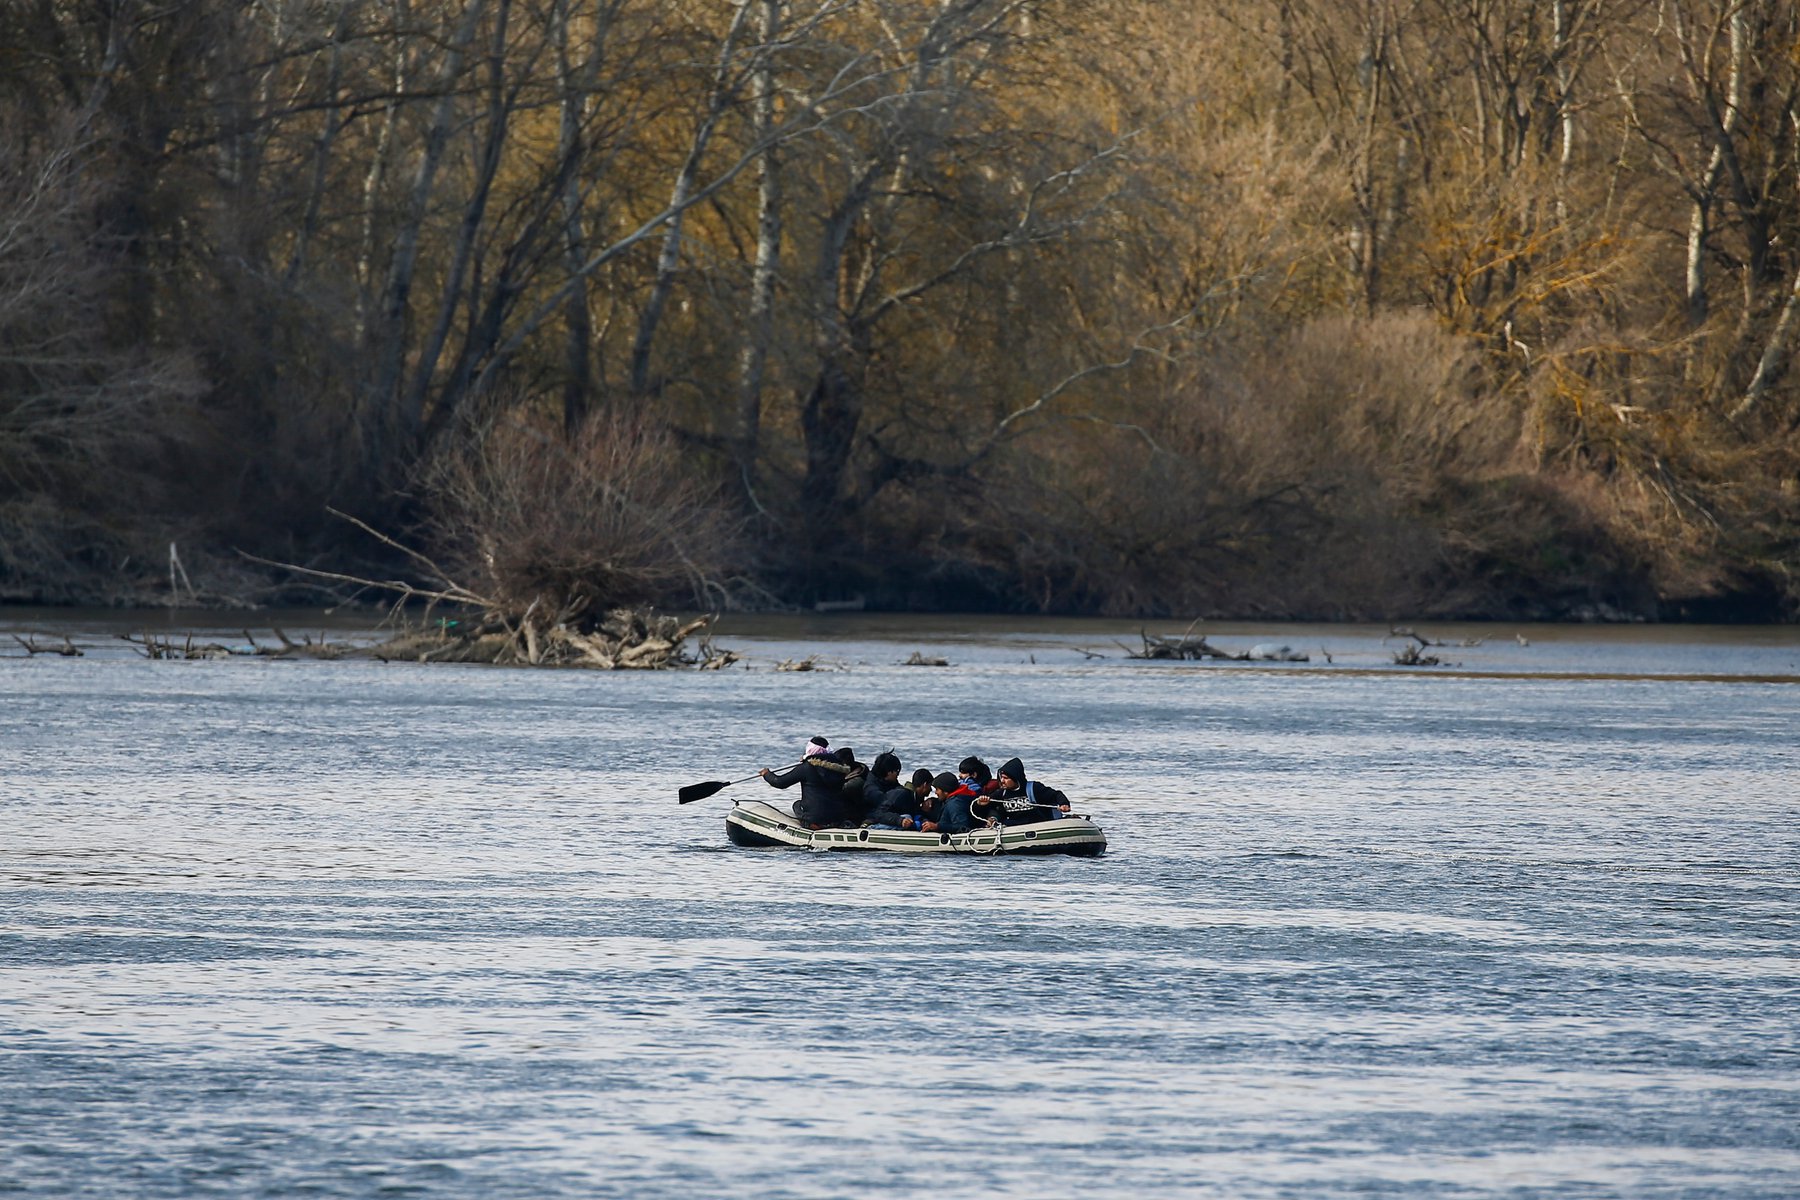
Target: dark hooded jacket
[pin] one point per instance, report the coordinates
(821, 783)
(856, 780)
(955, 813)
(889, 802)
(886, 800)
(1029, 801)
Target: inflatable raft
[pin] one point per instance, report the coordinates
(753, 823)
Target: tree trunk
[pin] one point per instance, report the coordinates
(1774, 356)
(829, 420)
(575, 83)
(388, 351)
(375, 178)
(499, 110)
(719, 99)
(759, 321)
(334, 122)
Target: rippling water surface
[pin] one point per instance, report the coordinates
(1523, 928)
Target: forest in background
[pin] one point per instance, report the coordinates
(1308, 308)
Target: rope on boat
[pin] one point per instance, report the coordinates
(975, 848)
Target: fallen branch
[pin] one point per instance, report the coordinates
(1412, 657)
(546, 631)
(1184, 647)
(67, 650)
(153, 647)
(626, 640)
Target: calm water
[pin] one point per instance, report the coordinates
(1525, 929)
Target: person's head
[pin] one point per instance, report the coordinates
(921, 781)
(817, 748)
(886, 765)
(945, 783)
(973, 768)
(847, 756)
(1012, 773)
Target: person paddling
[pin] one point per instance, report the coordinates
(821, 780)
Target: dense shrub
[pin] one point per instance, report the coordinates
(569, 528)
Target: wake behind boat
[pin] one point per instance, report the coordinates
(754, 823)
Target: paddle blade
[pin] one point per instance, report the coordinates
(700, 791)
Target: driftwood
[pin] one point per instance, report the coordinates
(1183, 647)
(183, 646)
(152, 646)
(568, 632)
(1189, 647)
(625, 640)
(304, 648)
(1403, 632)
(812, 662)
(68, 649)
(712, 659)
(1414, 655)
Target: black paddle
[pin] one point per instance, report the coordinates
(700, 791)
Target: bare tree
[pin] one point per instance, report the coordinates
(759, 315)
(84, 423)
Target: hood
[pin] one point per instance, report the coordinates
(1013, 768)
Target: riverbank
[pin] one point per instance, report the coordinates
(863, 641)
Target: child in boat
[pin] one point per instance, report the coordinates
(975, 774)
(1018, 800)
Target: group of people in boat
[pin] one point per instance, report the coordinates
(838, 791)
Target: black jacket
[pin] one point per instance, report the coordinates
(888, 802)
(821, 783)
(856, 804)
(1030, 801)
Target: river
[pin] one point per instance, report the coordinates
(1523, 925)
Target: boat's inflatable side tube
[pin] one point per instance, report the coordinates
(754, 823)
